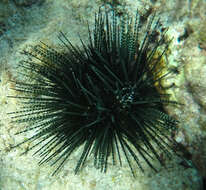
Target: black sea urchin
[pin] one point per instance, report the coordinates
(103, 96)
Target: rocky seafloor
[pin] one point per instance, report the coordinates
(27, 22)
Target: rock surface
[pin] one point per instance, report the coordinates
(26, 22)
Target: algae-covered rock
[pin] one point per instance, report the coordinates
(25, 23)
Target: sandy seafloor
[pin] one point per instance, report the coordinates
(27, 22)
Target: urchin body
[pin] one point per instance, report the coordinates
(102, 96)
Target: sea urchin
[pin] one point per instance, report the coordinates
(103, 96)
